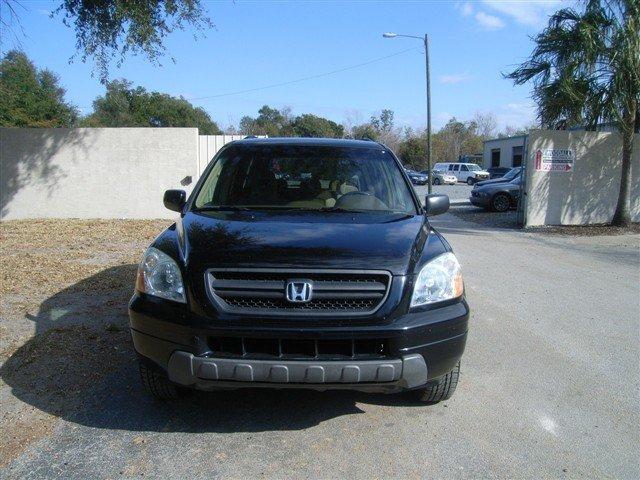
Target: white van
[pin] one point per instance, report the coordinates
(469, 173)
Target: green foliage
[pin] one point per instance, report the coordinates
(309, 125)
(124, 106)
(366, 130)
(456, 138)
(384, 122)
(586, 66)
(31, 97)
(104, 28)
(270, 121)
(413, 152)
(585, 69)
(280, 123)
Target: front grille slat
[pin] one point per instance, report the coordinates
(247, 285)
(262, 292)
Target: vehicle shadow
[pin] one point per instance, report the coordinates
(80, 366)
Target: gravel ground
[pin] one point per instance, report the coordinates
(549, 385)
(480, 216)
(457, 193)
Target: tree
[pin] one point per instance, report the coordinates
(413, 152)
(270, 121)
(309, 125)
(31, 97)
(586, 70)
(124, 106)
(456, 138)
(365, 130)
(106, 28)
(486, 125)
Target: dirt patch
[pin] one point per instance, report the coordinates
(64, 287)
(40, 256)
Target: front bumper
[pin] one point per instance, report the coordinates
(478, 201)
(421, 347)
(207, 373)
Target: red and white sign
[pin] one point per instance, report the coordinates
(554, 160)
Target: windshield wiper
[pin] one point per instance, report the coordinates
(221, 208)
(336, 209)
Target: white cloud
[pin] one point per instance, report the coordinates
(515, 114)
(42, 11)
(455, 78)
(490, 22)
(465, 9)
(532, 13)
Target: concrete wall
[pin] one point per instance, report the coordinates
(94, 172)
(588, 192)
(505, 145)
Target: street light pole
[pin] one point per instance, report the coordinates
(426, 56)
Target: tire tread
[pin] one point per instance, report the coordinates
(443, 390)
(157, 385)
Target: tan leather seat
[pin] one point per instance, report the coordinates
(346, 188)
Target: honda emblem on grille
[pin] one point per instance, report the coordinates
(298, 291)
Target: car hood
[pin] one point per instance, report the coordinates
(492, 181)
(303, 240)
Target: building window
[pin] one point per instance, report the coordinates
(495, 157)
(516, 157)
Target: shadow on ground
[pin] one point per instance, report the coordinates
(81, 366)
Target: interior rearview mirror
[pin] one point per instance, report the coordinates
(436, 204)
(175, 199)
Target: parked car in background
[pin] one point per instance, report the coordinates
(469, 173)
(497, 172)
(416, 178)
(497, 196)
(441, 177)
(338, 282)
(511, 175)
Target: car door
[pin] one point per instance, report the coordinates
(464, 173)
(455, 169)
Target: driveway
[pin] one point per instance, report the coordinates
(458, 193)
(549, 385)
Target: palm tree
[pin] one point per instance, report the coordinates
(585, 71)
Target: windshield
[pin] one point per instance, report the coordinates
(305, 178)
(511, 174)
(474, 168)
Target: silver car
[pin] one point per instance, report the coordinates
(440, 177)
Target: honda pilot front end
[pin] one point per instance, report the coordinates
(301, 263)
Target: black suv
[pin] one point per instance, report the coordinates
(301, 263)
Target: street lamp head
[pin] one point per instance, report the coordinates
(389, 35)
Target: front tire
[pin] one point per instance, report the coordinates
(501, 202)
(471, 180)
(157, 385)
(443, 390)
(436, 181)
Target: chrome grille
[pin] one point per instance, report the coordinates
(262, 291)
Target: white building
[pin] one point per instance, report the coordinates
(503, 152)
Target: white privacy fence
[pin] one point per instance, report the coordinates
(99, 172)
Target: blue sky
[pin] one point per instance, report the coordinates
(259, 43)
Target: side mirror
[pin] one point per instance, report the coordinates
(175, 199)
(436, 204)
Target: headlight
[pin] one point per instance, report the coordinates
(440, 279)
(159, 275)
